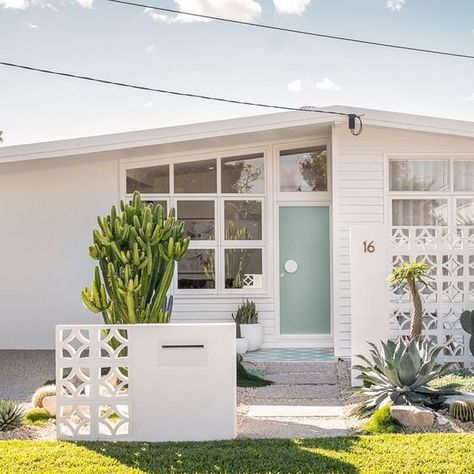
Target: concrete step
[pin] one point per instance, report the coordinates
(294, 411)
(296, 392)
(302, 378)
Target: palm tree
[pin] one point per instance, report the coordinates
(409, 275)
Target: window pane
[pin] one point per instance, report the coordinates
(243, 220)
(303, 170)
(465, 212)
(243, 174)
(419, 212)
(419, 175)
(464, 176)
(195, 177)
(198, 218)
(154, 179)
(243, 268)
(196, 269)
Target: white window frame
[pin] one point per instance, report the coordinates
(450, 195)
(218, 245)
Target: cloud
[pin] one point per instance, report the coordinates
(85, 3)
(244, 10)
(395, 5)
(324, 84)
(150, 48)
(470, 97)
(148, 104)
(32, 26)
(291, 7)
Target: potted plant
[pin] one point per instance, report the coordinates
(241, 344)
(250, 328)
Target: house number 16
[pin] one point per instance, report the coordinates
(369, 247)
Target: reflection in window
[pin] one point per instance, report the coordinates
(464, 176)
(198, 218)
(419, 175)
(243, 268)
(465, 212)
(419, 212)
(154, 179)
(243, 174)
(303, 170)
(195, 177)
(197, 269)
(243, 220)
(163, 204)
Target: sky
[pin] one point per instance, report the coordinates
(150, 48)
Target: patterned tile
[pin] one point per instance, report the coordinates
(310, 354)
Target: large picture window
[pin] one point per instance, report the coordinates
(431, 191)
(221, 201)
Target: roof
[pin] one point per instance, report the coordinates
(197, 131)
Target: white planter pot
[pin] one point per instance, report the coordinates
(154, 390)
(242, 345)
(253, 333)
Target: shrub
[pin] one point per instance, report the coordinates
(399, 374)
(467, 323)
(11, 415)
(246, 379)
(246, 313)
(382, 422)
(41, 393)
(37, 417)
(137, 251)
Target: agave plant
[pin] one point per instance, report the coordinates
(11, 415)
(399, 373)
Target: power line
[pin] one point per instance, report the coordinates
(351, 117)
(300, 32)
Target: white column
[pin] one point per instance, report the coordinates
(369, 290)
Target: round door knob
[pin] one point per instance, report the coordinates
(291, 266)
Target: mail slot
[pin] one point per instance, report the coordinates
(182, 353)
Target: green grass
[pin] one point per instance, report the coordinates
(461, 380)
(382, 422)
(246, 379)
(37, 417)
(378, 454)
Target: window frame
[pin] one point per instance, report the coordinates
(219, 244)
(450, 195)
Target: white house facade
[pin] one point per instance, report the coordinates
(269, 202)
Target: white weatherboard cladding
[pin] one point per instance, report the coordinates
(155, 382)
(360, 197)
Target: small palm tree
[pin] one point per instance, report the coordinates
(410, 275)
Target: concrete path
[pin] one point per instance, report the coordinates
(307, 400)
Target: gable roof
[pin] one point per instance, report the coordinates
(197, 131)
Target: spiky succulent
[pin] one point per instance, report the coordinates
(462, 410)
(11, 415)
(41, 393)
(399, 373)
(246, 313)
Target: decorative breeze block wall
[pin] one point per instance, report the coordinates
(92, 376)
(450, 254)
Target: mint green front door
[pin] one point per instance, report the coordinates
(305, 306)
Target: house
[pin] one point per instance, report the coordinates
(269, 202)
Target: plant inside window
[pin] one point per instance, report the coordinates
(410, 276)
(314, 171)
(136, 251)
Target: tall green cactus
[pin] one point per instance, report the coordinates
(136, 252)
(467, 323)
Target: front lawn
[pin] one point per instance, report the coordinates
(414, 454)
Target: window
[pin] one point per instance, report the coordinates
(419, 175)
(195, 177)
(148, 180)
(431, 191)
(304, 170)
(221, 201)
(243, 175)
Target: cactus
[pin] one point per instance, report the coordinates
(467, 323)
(42, 393)
(246, 313)
(11, 415)
(136, 252)
(462, 410)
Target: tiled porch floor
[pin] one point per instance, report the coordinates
(310, 354)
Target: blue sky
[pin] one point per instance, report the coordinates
(99, 38)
